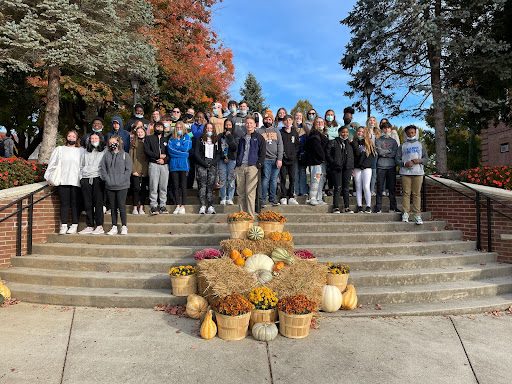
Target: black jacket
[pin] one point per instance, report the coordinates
(257, 151)
(290, 146)
(199, 154)
(232, 146)
(340, 154)
(362, 159)
(314, 148)
(154, 147)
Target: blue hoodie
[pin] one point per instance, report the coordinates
(125, 135)
(178, 150)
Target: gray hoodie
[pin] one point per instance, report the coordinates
(386, 150)
(409, 150)
(274, 142)
(115, 170)
(90, 163)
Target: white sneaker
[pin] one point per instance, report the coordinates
(182, 210)
(86, 231)
(104, 209)
(141, 210)
(230, 202)
(321, 202)
(202, 210)
(98, 230)
(313, 202)
(283, 201)
(211, 210)
(124, 230)
(418, 220)
(63, 229)
(113, 231)
(223, 202)
(292, 201)
(405, 217)
(135, 211)
(72, 229)
(176, 211)
(107, 212)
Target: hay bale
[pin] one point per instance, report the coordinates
(265, 246)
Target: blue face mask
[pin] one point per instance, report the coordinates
(180, 132)
(329, 118)
(209, 134)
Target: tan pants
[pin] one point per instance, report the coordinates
(411, 185)
(246, 185)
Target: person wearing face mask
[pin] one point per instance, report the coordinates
(386, 168)
(290, 138)
(280, 115)
(311, 115)
(96, 127)
(196, 131)
(314, 151)
(364, 155)
(237, 121)
(411, 157)
(117, 123)
(217, 118)
(340, 156)
(116, 170)
(331, 131)
(140, 172)
(226, 167)
(207, 154)
(168, 125)
(155, 148)
(302, 128)
(92, 186)
(188, 119)
(178, 148)
(348, 115)
(63, 171)
(375, 133)
(138, 114)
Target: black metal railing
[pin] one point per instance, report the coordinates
(481, 200)
(18, 213)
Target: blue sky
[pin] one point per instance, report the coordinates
(293, 48)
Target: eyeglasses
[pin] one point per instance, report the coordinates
(175, 111)
(311, 114)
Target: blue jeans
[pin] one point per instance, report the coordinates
(269, 181)
(301, 184)
(227, 179)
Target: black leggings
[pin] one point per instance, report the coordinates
(68, 199)
(140, 187)
(117, 201)
(92, 193)
(288, 170)
(179, 182)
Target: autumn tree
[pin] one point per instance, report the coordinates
(251, 92)
(303, 105)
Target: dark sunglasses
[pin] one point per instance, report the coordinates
(311, 114)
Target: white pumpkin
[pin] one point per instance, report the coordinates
(264, 276)
(257, 262)
(331, 298)
(196, 306)
(264, 331)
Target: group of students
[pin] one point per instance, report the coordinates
(236, 151)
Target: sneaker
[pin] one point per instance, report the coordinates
(104, 209)
(374, 194)
(283, 201)
(98, 230)
(72, 229)
(263, 205)
(182, 210)
(223, 202)
(211, 210)
(321, 202)
(108, 212)
(348, 210)
(313, 202)
(163, 210)
(396, 210)
(336, 210)
(202, 210)
(154, 210)
(135, 211)
(124, 230)
(405, 217)
(418, 220)
(230, 202)
(113, 231)
(177, 210)
(368, 210)
(375, 210)
(63, 229)
(359, 209)
(292, 201)
(86, 231)
(275, 204)
(141, 210)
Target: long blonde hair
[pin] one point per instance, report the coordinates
(368, 142)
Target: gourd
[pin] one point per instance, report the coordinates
(5, 291)
(278, 266)
(234, 254)
(255, 233)
(246, 252)
(280, 254)
(196, 306)
(275, 236)
(349, 298)
(286, 236)
(208, 327)
(264, 276)
(240, 261)
(257, 262)
(331, 298)
(264, 331)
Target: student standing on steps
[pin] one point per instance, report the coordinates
(374, 131)
(207, 155)
(196, 130)
(302, 128)
(364, 155)
(411, 156)
(226, 168)
(314, 151)
(92, 186)
(386, 148)
(115, 170)
(155, 147)
(179, 149)
(280, 115)
(291, 144)
(340, 156)
(140, 172)
(63, 171)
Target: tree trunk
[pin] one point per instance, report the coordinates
(434, 58)
(51, 116)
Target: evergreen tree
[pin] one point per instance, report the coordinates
(85, 37)
(302, 106)
(252, 94)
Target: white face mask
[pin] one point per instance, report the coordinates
(139, 116)
(95, 144)
(157, 119)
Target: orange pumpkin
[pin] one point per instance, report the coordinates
(240, 261)
(286, 236)
(246, 252)
(275, 236)
(278, 266)
(234, 254)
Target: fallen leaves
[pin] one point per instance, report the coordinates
(175, 310)
(378, 307)
(9, 302)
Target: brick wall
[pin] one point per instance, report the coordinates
(45, 221)
(460, 213)
(492, 139)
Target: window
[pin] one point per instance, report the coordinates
(504, 148)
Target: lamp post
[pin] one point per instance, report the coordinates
(368, 90)
(135, 87)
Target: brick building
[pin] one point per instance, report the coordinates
(497, 145)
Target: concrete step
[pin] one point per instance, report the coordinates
(370, 264)
(328, 251)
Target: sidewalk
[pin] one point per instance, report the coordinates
(45, 344)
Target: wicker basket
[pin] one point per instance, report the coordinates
(339, 281)
(232, 327)
(238, 229)
(271, 226)
(294, 326)
(184, 285)
(263, 316)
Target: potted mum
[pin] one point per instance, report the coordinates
(295, 314)
(239, 223)
(204, 254)
(183, 280)
(304, 254)
(338, 275)
(271, 221)
(233, 313)
(265, 302)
